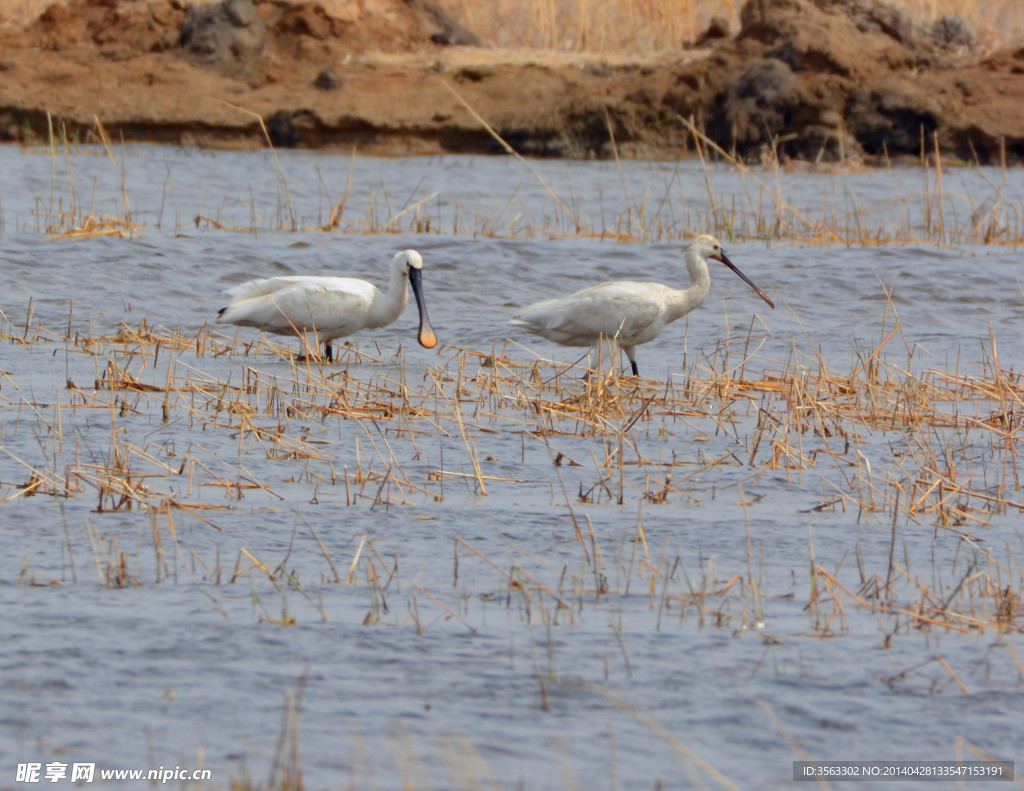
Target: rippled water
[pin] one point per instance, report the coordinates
(414, 658)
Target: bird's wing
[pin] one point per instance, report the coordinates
(252, 289)
(257, 288)
(331, 305)
(624, 308)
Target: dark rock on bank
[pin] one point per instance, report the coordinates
(229, 36)
(842, 77)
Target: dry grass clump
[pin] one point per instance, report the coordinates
(933, 450)
(63, 215)
(636, 26)
(645, 26)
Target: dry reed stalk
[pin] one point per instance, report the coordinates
(684, 751)
(793, 743)
(255, 563)
(510, 577)
(277, 162)
(445, 607)
(490, 130)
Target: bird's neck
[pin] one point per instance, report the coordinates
(389, 304)
(686, 299)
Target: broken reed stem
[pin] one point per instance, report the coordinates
(664, 734)
(490, 130)
(119, 171)
(277, 161)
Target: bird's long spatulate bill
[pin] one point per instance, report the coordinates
(426, 336)
(725, 260)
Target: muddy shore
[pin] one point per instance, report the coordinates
(806, 79)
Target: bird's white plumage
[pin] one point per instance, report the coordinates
(631, 312)
(332, 306)
(325, 307)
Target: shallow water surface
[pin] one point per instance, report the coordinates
(796, 538)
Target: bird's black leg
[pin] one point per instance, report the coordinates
(636, 372)
(330, 352)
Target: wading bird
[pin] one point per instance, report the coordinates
(329, 307)
(630, 312)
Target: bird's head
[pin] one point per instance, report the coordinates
(410, 259)
(707, 246)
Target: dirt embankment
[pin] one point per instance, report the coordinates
(808, 78)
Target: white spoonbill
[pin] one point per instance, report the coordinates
(329, 307)
(631, 312)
